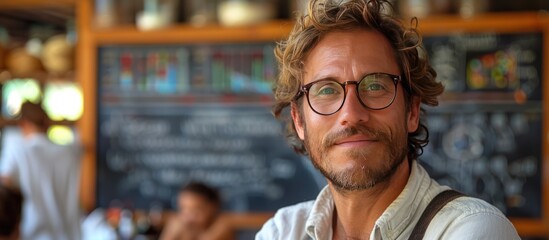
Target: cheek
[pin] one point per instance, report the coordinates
(317, 125)
(310, 124)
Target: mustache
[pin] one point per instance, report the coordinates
(333, 137)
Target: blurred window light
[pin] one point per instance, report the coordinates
(17, 91)
(63, 101)
(62, 135)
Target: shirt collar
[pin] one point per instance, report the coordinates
(400, 213)
(394, 220)
(319, 222)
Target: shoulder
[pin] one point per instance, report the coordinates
(470, 207)
(472, 218)
(172, 229)
(287, 221)
(297, 212)
(12, 155)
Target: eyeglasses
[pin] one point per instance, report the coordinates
(375, 91)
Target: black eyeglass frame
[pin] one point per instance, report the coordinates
(304, 90)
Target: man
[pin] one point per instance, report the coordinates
(48, 176)
(11, 202)
(353, 79)
(198, 216)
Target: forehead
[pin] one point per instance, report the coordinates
(351, 52)
(191, 197)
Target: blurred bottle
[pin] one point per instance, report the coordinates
(156, 217)
(442, 6)
(109, 13)
(149, 226)
(157, 14)
(414, 8)
(105, 13)
(201, 12)
(298, 8)
(470, 8)
(126, 226)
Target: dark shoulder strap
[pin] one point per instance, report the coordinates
(432, 209)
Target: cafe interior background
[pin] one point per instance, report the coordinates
(163, 92)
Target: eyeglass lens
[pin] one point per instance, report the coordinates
(375, 91)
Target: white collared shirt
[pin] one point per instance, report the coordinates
(463, 218)
(49, 177)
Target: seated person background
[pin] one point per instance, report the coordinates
(11, 203)
(199, 207)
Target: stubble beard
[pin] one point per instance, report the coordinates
(370, 172)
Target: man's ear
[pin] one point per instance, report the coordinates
(297, 121)
(413, 114)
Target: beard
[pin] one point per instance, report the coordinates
(376, 164)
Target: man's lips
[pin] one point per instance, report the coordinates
(354, 140)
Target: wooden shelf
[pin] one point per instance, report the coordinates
(278, 29)
(29, 4)
(269, 31)
(489, 22)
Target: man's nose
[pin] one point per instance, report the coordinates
(352, 111)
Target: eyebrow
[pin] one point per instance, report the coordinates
(329, 77)
(324, 78)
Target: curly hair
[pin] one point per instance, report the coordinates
(325, 16)
(209, 193)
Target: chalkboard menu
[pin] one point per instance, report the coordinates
(171, 115)
(486, 137)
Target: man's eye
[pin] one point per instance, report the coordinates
(326, 91)
(374, 87)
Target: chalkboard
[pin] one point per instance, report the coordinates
(155, 133)
(169, 115)
(486, 137)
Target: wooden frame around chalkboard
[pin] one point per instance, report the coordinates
(90, 38)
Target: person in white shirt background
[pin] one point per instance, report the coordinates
(48, 176)
(354, 82)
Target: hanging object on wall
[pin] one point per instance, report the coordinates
(20, 63)
(58, 55)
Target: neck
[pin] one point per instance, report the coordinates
(356, 212)
(29, 130)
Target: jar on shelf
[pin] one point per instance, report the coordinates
(245, 12)
(157, 14)
(414, 8)
(470, 8)
(201, 12)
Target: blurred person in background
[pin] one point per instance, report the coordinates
(11, 202)
(198, 216)
(48, 176)
(353, 80)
